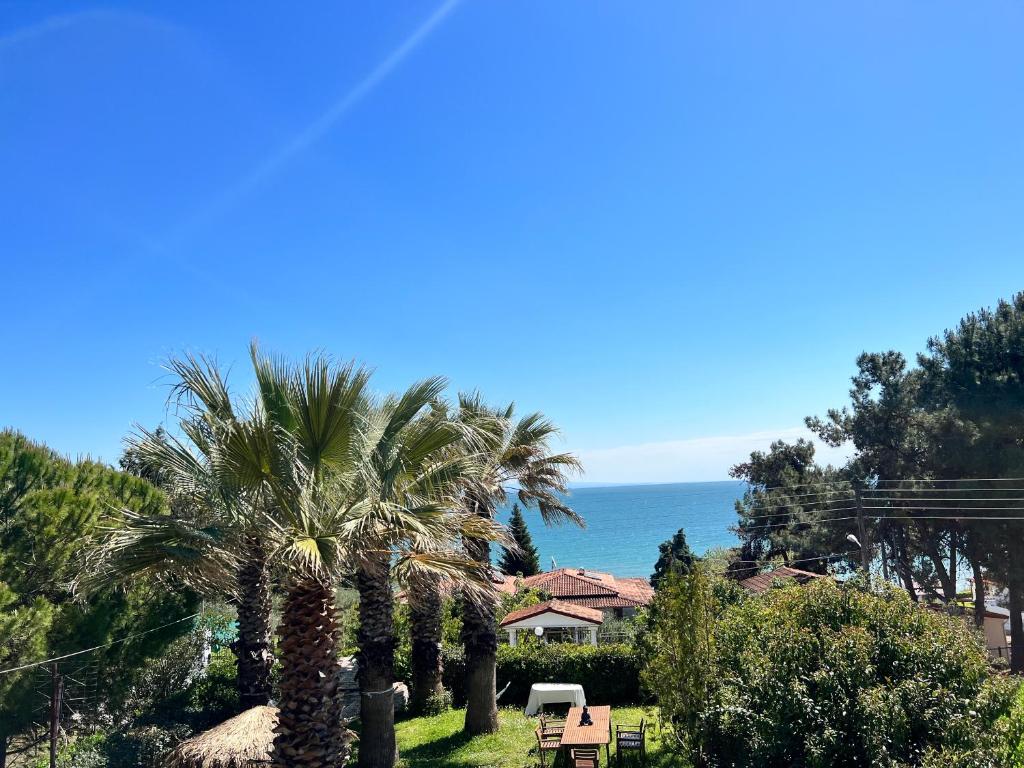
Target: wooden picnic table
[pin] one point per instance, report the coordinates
(576, 735)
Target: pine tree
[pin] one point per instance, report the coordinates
(526, 560)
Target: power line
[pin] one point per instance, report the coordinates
(966, 518)
(940, 490)
(780, 514)
(958, 480)
(950, 509)
(96, 647)
(808, 484)
(941, 500)
(806, 522)
(801, 560)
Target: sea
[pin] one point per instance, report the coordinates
(626, 523)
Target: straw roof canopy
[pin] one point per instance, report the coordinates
(232, 744)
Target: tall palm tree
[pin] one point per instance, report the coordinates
(301, 451)
(209, 540)
(354, 482)
(511, 452)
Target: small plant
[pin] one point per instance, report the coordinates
(438, 703)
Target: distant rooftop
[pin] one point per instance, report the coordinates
(762, 582)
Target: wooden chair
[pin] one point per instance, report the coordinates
(584, 758)
(548, 743)
(631, 738)
(551, 726)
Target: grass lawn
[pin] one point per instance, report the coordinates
(431, 742)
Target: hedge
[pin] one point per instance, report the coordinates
(609, 674)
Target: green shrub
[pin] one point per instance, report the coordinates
(85, 752)
(142, 747)
(828, 675)
(438, 703)
(609, 674)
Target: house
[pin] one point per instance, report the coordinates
(762, 582)
(614, 596)
(554, 621)
(581, 601)
(996, 625)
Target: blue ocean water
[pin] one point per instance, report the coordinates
(626, 523)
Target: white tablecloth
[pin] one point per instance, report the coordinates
(554, 693)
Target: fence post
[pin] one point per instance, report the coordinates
(56, 695)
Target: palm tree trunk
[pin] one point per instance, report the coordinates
(377, 747)
(310, 732)
(480, 640)
(425, 625)
(253, 647)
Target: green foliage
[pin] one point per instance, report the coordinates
(172, 698)
(49, 508)
(674, 556)
(679, 651)
(1014, 726)
(827, 675)
(625, 630)
(775, 503)
(438, 703)
(610, 674)
(346, 607)
(525, 561)
(451, 621)
(521, 598)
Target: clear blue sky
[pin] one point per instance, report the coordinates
(668, 223)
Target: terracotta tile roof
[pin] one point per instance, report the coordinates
(504, 584)
(562, 584)
(636, 589)
(554, 606)
(611, 601)
(762, 582)
(593, 589)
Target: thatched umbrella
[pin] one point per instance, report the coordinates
(244, 741)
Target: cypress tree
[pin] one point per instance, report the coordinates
(526, 560)
(674, 556)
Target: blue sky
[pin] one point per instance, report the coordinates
(670, 226)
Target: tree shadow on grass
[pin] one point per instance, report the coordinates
(439, 749)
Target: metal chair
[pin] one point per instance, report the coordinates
(631, 738)
(547, 743)
(584, 758)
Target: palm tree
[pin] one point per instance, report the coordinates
(209, 540)
(510, 452)
(301, 450)
(426, 601)
(355, 482)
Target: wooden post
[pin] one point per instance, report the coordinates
(885, 558)
(56, 695)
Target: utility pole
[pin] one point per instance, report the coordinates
(56, 696)
(862, 533)
(885, 558)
